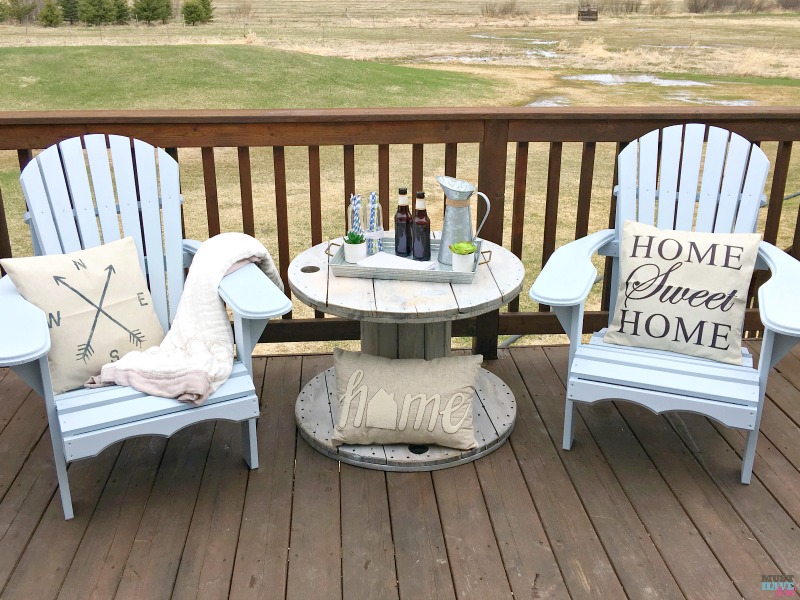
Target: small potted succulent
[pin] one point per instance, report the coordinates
(463, 256)
(355, 246)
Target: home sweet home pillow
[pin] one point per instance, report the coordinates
(683, 291)
(404, 401)
(97, 306)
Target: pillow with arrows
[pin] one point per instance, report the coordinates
(96, 303)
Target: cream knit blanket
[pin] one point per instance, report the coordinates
(196, 355)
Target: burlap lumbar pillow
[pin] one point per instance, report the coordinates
(97, 305)
(410, 401)
(683, 291)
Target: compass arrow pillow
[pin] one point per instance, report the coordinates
(96, 303)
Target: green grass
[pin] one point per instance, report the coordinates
(148, 77)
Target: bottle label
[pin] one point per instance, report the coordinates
(402, 201)
(420, 204)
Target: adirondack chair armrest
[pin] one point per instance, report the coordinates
(569, 274)
(190, 248)
(249, 293)
(778, 297)
(25, 336)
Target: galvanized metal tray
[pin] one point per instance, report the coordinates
(441, 274)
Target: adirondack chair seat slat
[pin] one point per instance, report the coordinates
(88, 444)
(125, 404)
(602, 363)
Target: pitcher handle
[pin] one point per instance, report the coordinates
(486, 216)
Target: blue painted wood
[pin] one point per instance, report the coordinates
(730, 174)
(68, 194)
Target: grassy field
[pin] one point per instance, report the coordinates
(304, 53)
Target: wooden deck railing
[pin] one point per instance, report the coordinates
(501, 134)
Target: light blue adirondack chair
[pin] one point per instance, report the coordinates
(726, 196)
(58, 189)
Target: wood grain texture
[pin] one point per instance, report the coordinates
(208, 556)
(246, 189)
(98, 565)
(367, 552)
(55, 541)
(636, 559)
(315, 567)
(471, 546)
(262, 552)
(531, 566)
(518, 208)
(155, 555)
(210, 183)
(423, 568)
(585, 566)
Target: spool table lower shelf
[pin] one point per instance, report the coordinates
(494, 412)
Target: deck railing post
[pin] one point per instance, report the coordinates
(492, 158)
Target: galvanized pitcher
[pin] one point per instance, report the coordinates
(457, 215)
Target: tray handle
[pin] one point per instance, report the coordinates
(332, 243)
(485, 261)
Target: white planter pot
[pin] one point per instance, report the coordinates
(355, 252)
(463, 263)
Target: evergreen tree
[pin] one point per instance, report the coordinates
(152, 10)
(50, 15)
(69, 8)
(95, 12)
(193, 12)
(121, 11)
(208, 10)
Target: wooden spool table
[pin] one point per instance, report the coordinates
(405, 319)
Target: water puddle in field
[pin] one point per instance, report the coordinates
(689, 99)
(464, 59)
(609, 79)
(549, 102)
(541, 53)
(534, 41)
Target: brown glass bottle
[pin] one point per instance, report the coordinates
(402, 225)
(421, 230)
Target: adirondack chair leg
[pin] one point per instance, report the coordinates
(249, 443)
(749, 456)
(569, 425)
(55, 439)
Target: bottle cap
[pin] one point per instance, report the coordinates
(403, 191)
(421, 195)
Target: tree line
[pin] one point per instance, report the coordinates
(103, 12)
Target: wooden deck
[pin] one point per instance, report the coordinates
(642, 507)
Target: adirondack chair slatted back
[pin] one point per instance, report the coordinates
(80, 199)
(715, 189)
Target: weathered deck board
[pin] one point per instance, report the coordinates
(471, 547)
(98, 565)
(643, 506)
(584, 563)
(686, 553)
(635, 557)
(367, 556)
(262, 554)
(423, 569)
(315, 568)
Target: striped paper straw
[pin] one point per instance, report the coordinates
(374, 245)
(355, 208)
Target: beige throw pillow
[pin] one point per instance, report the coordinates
(683, 291)
(97, 305)
(408, 401)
